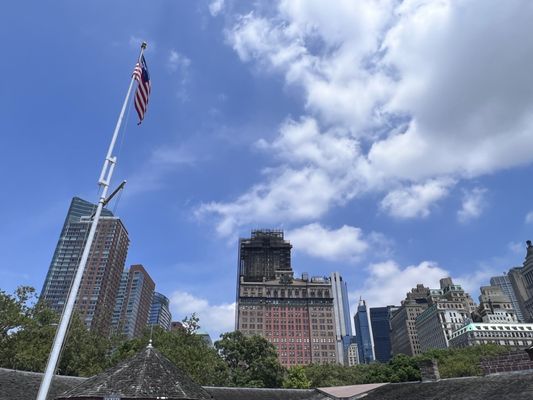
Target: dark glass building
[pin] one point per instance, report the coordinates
(99, 285)
(362, 334)
(78, 208)
(380, 322)
(160, 311)
(134, 302)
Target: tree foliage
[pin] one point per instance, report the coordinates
(28, 329)
(464, 361)
(186, 349)
(252, 361)
(296, 378)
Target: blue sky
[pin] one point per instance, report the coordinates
(392, 141)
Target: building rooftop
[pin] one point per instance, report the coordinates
(147, 375)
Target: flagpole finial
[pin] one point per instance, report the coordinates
(143, 45)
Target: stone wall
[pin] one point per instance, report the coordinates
(508, 362)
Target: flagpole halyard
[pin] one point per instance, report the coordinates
(104, 181)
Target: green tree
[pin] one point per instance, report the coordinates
(403, 368)
(252, 360)
(462, 361)
(29, 329)
(15, 310)
(296, 378)
(191, 324)
(187, 350)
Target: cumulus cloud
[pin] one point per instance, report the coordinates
(416, 200)
(345, 243)
(215, 7)
(387, 282)
(214, 318)
(317, 175)
(473, 204)
(415, 94)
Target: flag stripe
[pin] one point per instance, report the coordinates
(144, 87)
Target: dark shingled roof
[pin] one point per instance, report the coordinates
(147, 375)
(515, 386)
(23, 385)
(232, 393)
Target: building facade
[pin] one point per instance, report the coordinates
(515, 335)
(343, 321)
(449, 308)
(504, 283)
(134, 301)
(100, 282)
(404, 336)
(527, 275)
(160, 311)
(264, 253)
(380, 322)
(296, 315)
(495, 307)
(516, 277)
(363, 334)
(353, 354)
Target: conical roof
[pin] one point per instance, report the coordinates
(147, 375)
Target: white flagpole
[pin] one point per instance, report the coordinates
(104, 181)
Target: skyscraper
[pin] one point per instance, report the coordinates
(404, 337)
(100, 282)
(134, 301)
(504, 283)
(449, 307)
(380, 322)
(363, 335)
(263, 254)
(343, 323)
(160, 311)
(78, 208)
(295, 315)
(519, 284)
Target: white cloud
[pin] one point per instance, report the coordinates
(473, 204)
(214, 318)
(410, 92)
(177, 61)
(216, 7)
(162, 161)
(416, 200)
(529, 218)
(387, 283)
(345, 243)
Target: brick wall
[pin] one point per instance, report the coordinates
(508, 362)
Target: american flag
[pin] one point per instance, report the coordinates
(140, 73)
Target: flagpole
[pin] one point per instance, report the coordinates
(104, 181)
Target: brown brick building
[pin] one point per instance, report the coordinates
(295, 315)
(101, 279)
